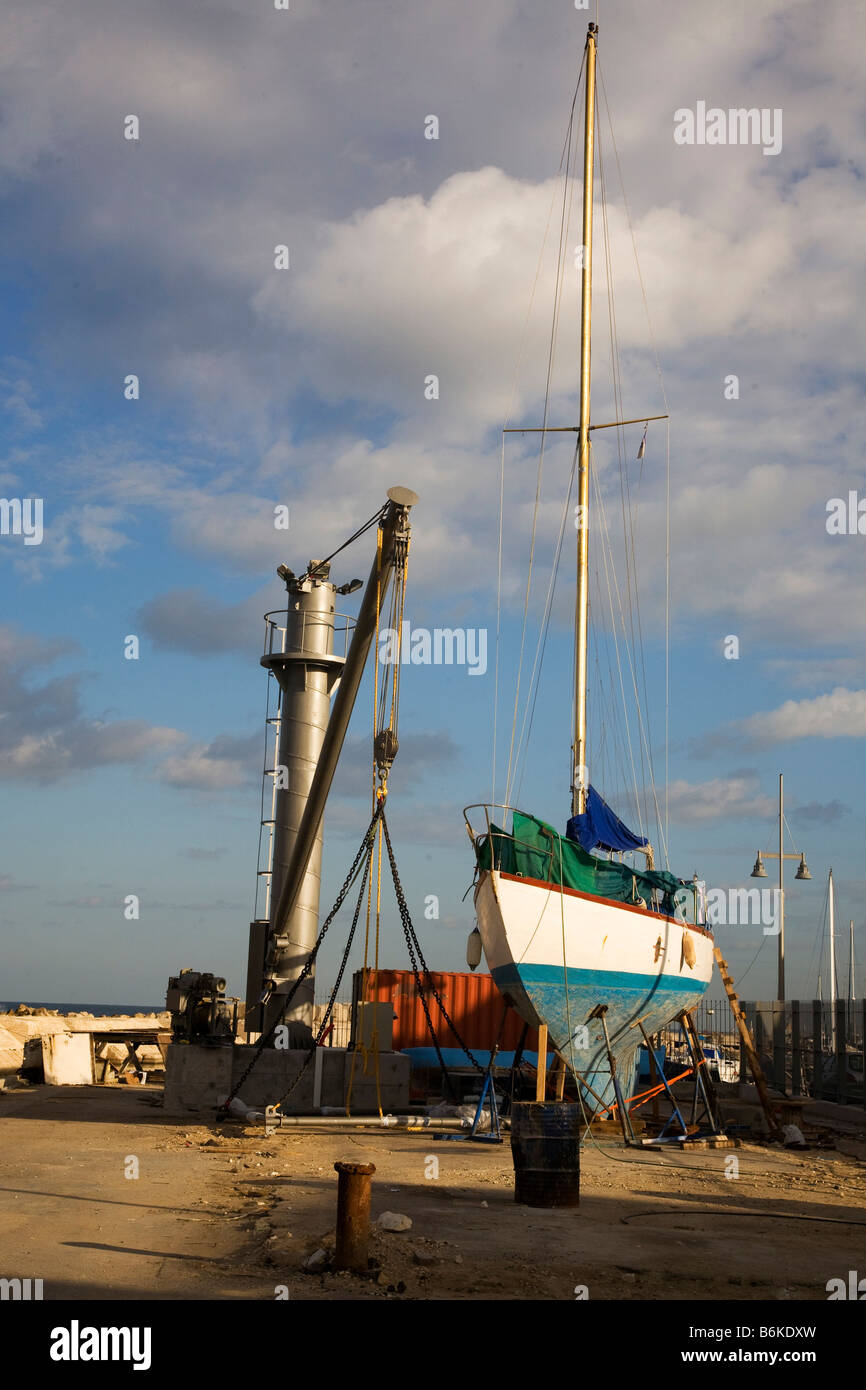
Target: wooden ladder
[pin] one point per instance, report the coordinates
(770, 1112)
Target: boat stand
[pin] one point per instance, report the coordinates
(628, 1134)
(703, 1081)
(701, 1101)
(495, 1134)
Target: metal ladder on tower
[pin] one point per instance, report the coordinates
(265, 871)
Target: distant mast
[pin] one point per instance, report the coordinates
(580, 775)
(832, 913)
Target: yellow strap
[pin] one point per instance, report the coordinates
(380, 792)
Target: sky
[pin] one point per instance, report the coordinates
(307, 387)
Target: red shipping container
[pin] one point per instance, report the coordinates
(473, 1002)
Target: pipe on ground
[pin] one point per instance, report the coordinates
(336, 1119)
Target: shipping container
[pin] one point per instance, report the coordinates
(472, 1000)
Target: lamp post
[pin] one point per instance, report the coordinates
(802, 873)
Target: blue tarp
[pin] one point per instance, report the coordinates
(599, 828)
(456, 1057)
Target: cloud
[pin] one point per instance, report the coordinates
(89, 902)
(413, 257)
(839, 714)
(820, 813)
(8, 884)
(45, 736)
(18, 394)
(192, 621)
(115, 904)
(20, 651)
(228, 762)
(88, 532)
(425, 823)
(419, 755)
(723, 798)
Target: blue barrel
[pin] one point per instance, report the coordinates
(545, 1147)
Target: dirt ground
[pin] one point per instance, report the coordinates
(226, 1213)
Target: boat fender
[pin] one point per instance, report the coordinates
(473, 949)
(689, 953)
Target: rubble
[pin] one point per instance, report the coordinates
(394, 1221)
(29, 1044)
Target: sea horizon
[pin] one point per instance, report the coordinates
(98, 1010)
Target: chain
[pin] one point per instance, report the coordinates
(414, 945)
(327, 1014)
(416, 957)
(363, 852)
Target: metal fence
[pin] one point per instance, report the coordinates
(340, 1030)
(806, 1048)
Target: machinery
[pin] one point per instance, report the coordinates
(311, 730)
(316, 690)
(200, 1011)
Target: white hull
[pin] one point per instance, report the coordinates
(558, 954)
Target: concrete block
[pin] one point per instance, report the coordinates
(198, 1077)
(11, 1053)
(338, 1073)
(375, 1020)
(32, 1026)
(827, 1114)
(24, 1026)
(276, 1070)
(67, 1059)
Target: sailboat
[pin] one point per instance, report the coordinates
(575, 937)
(843, 1068)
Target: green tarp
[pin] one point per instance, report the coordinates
(536, 850)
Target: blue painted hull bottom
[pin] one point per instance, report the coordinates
(539, 994)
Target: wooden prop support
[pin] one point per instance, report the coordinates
(541, 1072)
(767, 1106)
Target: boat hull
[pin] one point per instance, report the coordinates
(557, 954)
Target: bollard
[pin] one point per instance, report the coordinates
(353, 1214)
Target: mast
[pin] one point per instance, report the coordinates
(781, 985)
(851, 965)
(832, 901)
(580, 783)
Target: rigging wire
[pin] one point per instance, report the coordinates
(544, 627)
(640, 720)
(818, 939)
(741, 978)
(606, 554)
(558, 287)
(541, 646)
(629, 519)
(630, 580)
(508, 417)
(632, 625)
(313, 568)
(660, 376)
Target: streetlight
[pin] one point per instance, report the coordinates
(802, 873)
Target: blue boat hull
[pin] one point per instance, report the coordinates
(540, 990)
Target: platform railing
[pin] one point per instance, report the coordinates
(276, 632)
